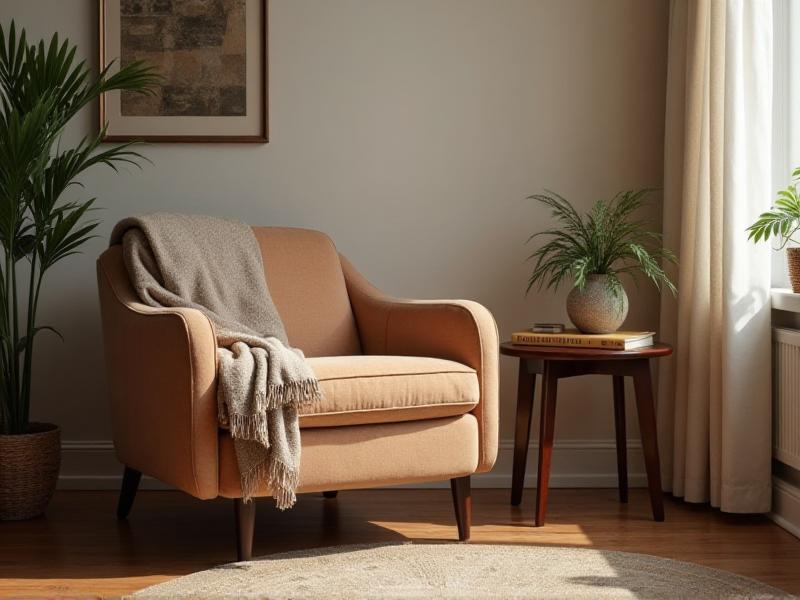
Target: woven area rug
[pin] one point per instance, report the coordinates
(462, 572)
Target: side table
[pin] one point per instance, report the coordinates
(554, 363)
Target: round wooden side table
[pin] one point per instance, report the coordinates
(554, 363)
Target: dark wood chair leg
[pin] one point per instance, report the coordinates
(331, 494)
(462, 503)
(546, 432)
(130, 483)
(245, 527)
(622, 437)
(645, 406)
(526, 385)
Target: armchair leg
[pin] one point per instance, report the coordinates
(130, 483)
(462, 503)
(245, 526)
(331, 494)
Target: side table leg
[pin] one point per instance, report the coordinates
(546, 432)
(622, 438)
(526, 384)
(645, 406)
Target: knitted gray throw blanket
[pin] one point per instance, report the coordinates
(215, 266)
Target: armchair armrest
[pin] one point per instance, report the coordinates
(458, 330)
(161, 366)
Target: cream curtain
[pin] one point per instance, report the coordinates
(714, 407)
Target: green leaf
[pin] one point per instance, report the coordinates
(782, 221)
(22, 345)
(24, 246)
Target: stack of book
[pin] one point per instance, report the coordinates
(572, 338)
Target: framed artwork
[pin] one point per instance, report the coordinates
(212, 56)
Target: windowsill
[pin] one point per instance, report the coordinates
(785, 299)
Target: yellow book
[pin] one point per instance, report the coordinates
(619, 340)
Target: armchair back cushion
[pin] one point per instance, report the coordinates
(305, 279)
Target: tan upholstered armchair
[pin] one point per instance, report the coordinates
(410, 387)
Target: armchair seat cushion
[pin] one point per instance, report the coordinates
(359, 390)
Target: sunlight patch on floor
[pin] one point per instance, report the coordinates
(557, 534)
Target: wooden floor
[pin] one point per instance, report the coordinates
(80, 550)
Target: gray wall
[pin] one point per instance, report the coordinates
(411, 132)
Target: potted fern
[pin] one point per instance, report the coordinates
(782, 221)
(41, 89)
(593, 251)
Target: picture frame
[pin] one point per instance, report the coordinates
(215, 68)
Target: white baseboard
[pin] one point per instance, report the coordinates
(786, 505)
(92, 465)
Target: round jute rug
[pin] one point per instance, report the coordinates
(463, 572)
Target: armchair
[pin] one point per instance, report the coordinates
(410, 387)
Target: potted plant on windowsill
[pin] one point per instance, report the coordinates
(593, 250)
(782, 221)
(41, 89)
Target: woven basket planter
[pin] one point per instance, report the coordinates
(29, 465)
(793, 258)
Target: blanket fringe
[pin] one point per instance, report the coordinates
(250, 427)
(295, 393)
(281, 480)
(254, 427)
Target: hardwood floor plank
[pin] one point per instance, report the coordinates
(80, 549)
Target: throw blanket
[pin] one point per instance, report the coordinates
(215, 266)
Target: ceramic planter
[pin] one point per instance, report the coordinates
(595, 308)
(29, 466)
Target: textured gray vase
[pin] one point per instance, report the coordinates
(595, 309)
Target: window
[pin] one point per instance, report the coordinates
(786, 110)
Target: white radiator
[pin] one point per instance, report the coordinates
(786, 395)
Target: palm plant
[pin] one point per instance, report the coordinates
(783, 219)
(42, 87)
(605, 241)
